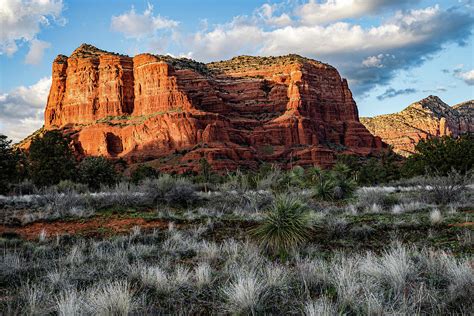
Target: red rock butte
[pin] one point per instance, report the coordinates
(286, 110)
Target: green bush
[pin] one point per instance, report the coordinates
(284, 227)
(374, 170)
(440, 155)
(143, 172)
(96, 171)
(51, 159)
(335, 184)
(8, 164)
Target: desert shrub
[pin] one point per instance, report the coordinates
(244, 294)
(335, 184)
(205, 175)
(320, 307)
(367, 197)
(8, 164)
(373, 170)
(181, 194)
(284, 227)
(66, 186)
(96, 171)
(67, 204)
(69, 302)
(344, 184)
(24, 188)
(441, 189)
(51, 159)
(173, 191)
(324, 189)
(268, 177)
(111, 298)
(143, 172)
(439, 155)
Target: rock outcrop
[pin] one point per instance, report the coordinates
(429, 117)
(237, 113)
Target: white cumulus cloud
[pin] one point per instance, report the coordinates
(21, 21)
(467, 76)
(22, 108)
(136, 25)
(367, 55)
(328, 11)
(36, 52)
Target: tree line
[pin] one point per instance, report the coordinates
(50, 160)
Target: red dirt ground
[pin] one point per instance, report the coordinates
(90, 227)
(465, 224)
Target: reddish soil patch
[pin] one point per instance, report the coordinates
(99, 226)
(465, 224)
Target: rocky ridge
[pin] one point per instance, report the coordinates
(429, 117)
(174, 111)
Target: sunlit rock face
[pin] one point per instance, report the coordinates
(286, 110)
(429, 117)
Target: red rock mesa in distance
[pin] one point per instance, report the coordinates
(286, 110)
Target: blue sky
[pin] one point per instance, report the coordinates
(392, 52)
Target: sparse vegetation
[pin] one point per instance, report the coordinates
(301, 241)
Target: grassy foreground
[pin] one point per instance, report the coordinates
(166, 247)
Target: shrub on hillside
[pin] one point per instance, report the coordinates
(440, 155)
(374, 170)
(166, 189)
(51, 159)
(445, 189)
(97, 171)
(8, 164)
(143, 172)
(335, 184)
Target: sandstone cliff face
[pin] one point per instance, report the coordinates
(286, 110)
(429, 117)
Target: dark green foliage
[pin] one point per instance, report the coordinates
(143, 172)
(335, 184)
(285, 226)
(440, 155)
(8, 164)
(344, 183)
(95, 171)
(374, 170)
(50, 159)
(205, 170)
(9, 160)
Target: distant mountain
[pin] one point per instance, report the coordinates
(420, 120)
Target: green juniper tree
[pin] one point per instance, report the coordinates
(51, 159)
(8, 164)
(440, 155)
(95, 171)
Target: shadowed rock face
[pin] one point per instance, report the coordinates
(429, 117)
(286, 110)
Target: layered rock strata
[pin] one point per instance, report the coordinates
(238, 113)
(430, 117)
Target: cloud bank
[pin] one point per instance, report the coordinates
(21, 22)
(21, 110)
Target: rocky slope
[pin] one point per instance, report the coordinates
(285, 110)
(426, 118)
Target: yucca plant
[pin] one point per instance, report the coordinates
(324, 188)
(344, 184)
(286, 226)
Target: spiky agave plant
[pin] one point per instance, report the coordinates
(286, 226)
